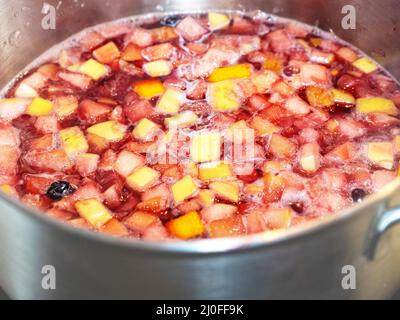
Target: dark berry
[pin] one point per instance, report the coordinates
(59, 190)
(297, 206)
(290, 71)
(358, 194)
(171, 21)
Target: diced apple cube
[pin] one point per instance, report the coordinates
(226, 190)
(110, 131)
(281, 147)
(86, 163)
(381, 154)
(183, 189)
(106, 53)
(184, 119)
(365, 64)
(39, 107)
(396, 143)
(187, 226)
(140, 221)
(297, 105)
(332, 125)
(229, 227)
(342, 97)
(206, 197)
(93, 211)
(264, 81)
(12, 108)
(190, 29)
(158, 68)
(214, 170)
(170, 101)
(24, 90)
(142, 178)
(342, 151)
(222, 96)
(115, 228)
(347, 54)
(218, 211)
(93, 69)
(376, 104)
(149, 88)
(310, 157)
(164, 34)
(263, 126)
(231, 72)
(65, 106)
(127, 162)
(74, 141)
(217, 20)
(145, 130)
(131, 53)
(206, 147)
(278, 218)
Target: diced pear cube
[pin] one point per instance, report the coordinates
(170, 101)
(206, 147)
(93, 211)
(381, 153)
(226, 190)
(365, 64)
(65, 106)
(222, 96)
(231, 72)
(74, 141)
(217, 20)
(140, 221)
(214, 170)
(142, 178)
(149, 88)
(342, 97)
(109, 130)
(263, 126)
(183, 189)
(39, 107)
(206, 197)
(186, 226)
(93, 69)
(145, 130)
(24, 90)
(309, 157)
(376, 104)
(158, 68)
(184, 119)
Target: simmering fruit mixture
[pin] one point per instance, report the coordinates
(199, 126)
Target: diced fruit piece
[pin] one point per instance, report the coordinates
(93, 69)
(231, 72)
(145, 130)
(142, 178)
(226, 190)
(160, 51)
(347, 54)
(314, 74)
(158, 68)
(396, 143)
(222, 96)
(74, 141)
(39, 107)
(342, 151)
(214, 170)
(164, 34)
(218, 211)
(273, 187)
(187, 226)
(86, 163)
(183, 189)
(297, 105)
(281, 147)
(131, 53)
(376, 104)
(310, 157)
(217, 20)
(278, 218)
(170, 101)
(149, 88)
(319, 97)
(127, 162)
(381, 154)
(206, 197)
(65, 106)
(81, 81)
(264, 81)
(229, 227)
(239, 132)
(115, 228)
(272, 64)
(190, 29)
(206, 147)
(93, 211)
(140, 221)
(153, 205)
(365, 64)
(12, 108)
(92, 111)
(110, 130)
(106, 53)
(184, 119)
(342, 97)
(263, 126)
(318, 56)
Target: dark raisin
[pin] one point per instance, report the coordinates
(59, 190)
(358, 194)
(290, 71)
(171, 21)
(297, 206)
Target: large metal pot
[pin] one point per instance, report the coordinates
(304, 262)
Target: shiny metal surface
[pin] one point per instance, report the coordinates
(305, 262)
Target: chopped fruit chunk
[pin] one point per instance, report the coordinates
(217, 20)
(86, 163)
(106, 53)
(222, 96)
(65, 106)
(158, 68)
(376, 104)
(342, 97)
(310, 157)
(149, 88)
(347, 54)
(365, 64)
(297, 105)
(140, 221)
(170, 101)
(127, 162)
(214, 170)
(183, 189)
(206, 147)
(319, 97)
(226, 190)
(264, 81)
(232, 72)
(110, 130)
(281, 147)
(12, 108)
(342, 151)
(131, 53)
(278, 218)
(184, 119)
(229, 227)
(115, 228)
(272, 64)
(93, 69)
(190, 29)
(74, 141)
(218, 211)
(263, 126)
(381, 154)
(206, 198)
(39, 107)
(145, 130)
(93, 211)
(273, 187)
(187, 226)
(142, 178)
(153, 205)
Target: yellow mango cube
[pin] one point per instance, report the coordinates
(206, 197)
(226, 190)
(365, 64)
(149, 88)
(158, 68)
(65, 106)
(231, 72)
(382, 154)
(206, 147)
(186, 226)
(222, 97)
(170, 101)
(39, 107)
(145, 130)
(109, 130)
(217, 20)
(376, 104)
(74, 141)
(93, 69)
(184, 119)
(142, 178)
(214, 170)
(342, 97)
(93, 211)
(183, 189)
